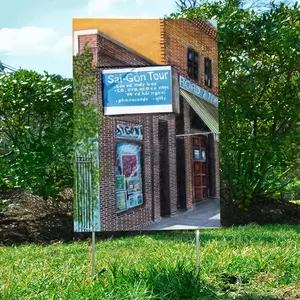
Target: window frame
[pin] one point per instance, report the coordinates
(208, 72)
(193, 64)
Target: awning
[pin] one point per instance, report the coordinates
(206, 111)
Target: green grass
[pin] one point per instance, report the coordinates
(251, 262)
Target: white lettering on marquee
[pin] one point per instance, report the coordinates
(198, 91)
(136, 78)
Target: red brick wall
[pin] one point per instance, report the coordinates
(181, 34)
(107, 54)
(178, 35)
(93, 41)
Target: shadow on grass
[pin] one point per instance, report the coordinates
(60, 228)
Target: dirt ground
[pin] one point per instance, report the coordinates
(30, 218)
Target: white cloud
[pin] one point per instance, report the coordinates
(32, 40)
(101, 6)
(139, 1)
(63, 43)
(143, 16)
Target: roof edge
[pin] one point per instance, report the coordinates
(78, 33)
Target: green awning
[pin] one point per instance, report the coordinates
(206, 111)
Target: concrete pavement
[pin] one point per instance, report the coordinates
(205, 214)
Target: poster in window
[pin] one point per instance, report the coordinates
(203, 155)
(134, 185)
(131, 202)
(196, 154)
(139, 198)
(128, 163)
(121, 201)
(120, 183)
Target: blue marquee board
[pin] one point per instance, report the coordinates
(137, 90)
(198, 91)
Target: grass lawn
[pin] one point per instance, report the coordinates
(251, 262)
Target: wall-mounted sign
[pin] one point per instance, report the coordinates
(137, 90)
(198, 91)
(127, 130)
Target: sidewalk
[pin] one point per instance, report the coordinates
(205, 214)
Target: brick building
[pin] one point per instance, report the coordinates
(179, 152)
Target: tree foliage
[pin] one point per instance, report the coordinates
(1, 67)
(36, 128)
(259, 90)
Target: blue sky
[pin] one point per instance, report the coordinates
(37, 34)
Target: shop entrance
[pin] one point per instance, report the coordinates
(200, 168)
(165, 209)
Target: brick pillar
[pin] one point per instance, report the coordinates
(172, 164)
(107, 184)
(93, 41)
(156, 170)
(217, 166)
(188, 157)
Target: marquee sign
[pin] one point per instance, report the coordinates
(198, 91)
(137, 90)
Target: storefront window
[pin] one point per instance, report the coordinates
(203, 155)
(207, 72)
(128, 172)
(193, 64)
(196, 154)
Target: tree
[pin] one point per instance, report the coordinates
(183, 4)
(1, 67)
(36, 128)
(259, 90)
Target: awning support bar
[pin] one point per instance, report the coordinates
(197, 133)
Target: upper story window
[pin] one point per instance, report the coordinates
(207, 72)
(193, 64)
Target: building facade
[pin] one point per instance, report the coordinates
(176, 154)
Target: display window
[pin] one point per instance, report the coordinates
(128, 169)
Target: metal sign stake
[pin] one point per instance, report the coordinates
(197, 251)
(93, 254)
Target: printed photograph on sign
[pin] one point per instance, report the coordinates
(158, 123)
